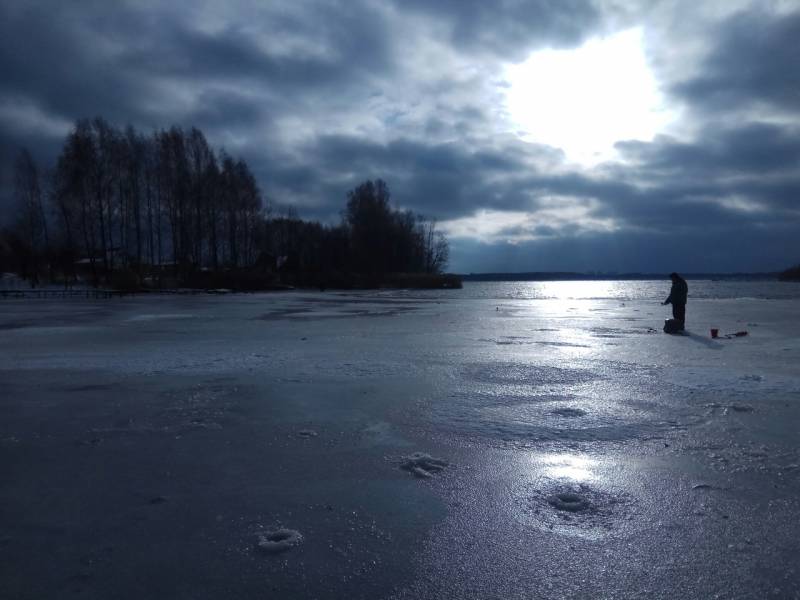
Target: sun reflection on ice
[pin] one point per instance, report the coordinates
(578, 290)
(568, 466)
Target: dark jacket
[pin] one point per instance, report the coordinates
(678, 293)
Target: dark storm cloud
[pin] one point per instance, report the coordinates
(444, 181)
(51, 58)
(451, 180)
(754, 60)
(340, 153)
(510, 28)
(224, 109)
(622, 252)
(114, 60)
(149, 67)
(354, 43)
(749, 147)
(760, 162)
(673, 186)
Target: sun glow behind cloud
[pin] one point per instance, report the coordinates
(585, 100)
(553, 216)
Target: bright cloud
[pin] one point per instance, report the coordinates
(553, 217)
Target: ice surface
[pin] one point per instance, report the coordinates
(596, 456)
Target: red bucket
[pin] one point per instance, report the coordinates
(714, 332)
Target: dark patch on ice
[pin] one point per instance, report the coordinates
(616, 332)
(341, 310)
(95, 441)
(715, 407)
(606, 332)
(80, 578)
(510, 340)
(202, 424)
(569, 412)
(278, 540)
(97, 387)
(422, 465)
(158, 500)
(9, 325)
(283, 313)
(707, 486)
(224, 378)
(563, 344)
(349, 300)
(200, 407)
(526, 374)
(101, 556)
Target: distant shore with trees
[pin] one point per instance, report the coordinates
(126, 210)
(790, 274)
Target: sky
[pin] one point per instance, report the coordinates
(541, 135)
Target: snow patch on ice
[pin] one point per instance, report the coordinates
(422, 465)
(726, 409)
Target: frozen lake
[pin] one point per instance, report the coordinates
(266, 446)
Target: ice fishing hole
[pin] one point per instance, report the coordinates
(278, 540)
(568, 501)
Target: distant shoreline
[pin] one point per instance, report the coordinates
(447, 281)
(572, 276)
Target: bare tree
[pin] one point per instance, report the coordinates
(32, 220)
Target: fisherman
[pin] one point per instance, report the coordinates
(677, 297)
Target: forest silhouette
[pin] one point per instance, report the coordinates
(135, 211)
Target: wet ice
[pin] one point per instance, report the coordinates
(599, 468)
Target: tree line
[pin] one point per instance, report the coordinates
(128, 209)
